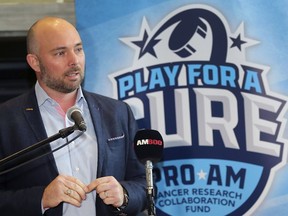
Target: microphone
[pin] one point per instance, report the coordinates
(75, 114)
(148, 146)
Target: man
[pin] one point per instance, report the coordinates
(96, 174)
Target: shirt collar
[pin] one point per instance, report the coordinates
(42, 96)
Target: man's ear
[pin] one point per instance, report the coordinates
(33, 61)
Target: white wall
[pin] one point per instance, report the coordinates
(16, 18)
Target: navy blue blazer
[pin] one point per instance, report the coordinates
(21, 126)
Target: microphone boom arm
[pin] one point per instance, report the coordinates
(20, 155)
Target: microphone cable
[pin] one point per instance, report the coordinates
(40, 156)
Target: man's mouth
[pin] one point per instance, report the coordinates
(72, 74)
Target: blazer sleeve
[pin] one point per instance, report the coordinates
(135, 178)
(115, 128)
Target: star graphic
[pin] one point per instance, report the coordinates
(202, 175)
(146, 47)
(237, 42)
(239, 39)
(142, 41)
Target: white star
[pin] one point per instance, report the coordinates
(241, 31)
(239, 55)
(202, 175)
(129, 40)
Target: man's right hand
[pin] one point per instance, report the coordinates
(64, 189)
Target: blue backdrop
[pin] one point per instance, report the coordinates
(212, 78)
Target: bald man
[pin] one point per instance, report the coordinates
(96, 174)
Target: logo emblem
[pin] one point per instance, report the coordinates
(222, 126)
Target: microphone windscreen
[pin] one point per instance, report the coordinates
(72, 111)
(75, 114)
(148, 145)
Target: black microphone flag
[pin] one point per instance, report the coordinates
(148, 145)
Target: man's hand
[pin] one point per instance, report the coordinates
(64, 189)
(109, 190)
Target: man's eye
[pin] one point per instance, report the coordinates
(59, 53)
(80, 49)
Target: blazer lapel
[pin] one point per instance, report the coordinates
(33, 116)
(95, 111)
(34, 120)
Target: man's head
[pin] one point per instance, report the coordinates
(55, 53)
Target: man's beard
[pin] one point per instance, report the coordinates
(58, 84)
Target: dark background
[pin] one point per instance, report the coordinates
(16, 76)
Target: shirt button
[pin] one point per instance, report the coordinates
(77, 169)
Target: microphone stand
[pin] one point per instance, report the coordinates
(19, 157)
(150, 188)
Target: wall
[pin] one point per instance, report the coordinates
(15, 19)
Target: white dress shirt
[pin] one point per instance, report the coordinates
(79, 158)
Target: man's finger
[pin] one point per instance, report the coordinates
(76, 186)
(99, 181)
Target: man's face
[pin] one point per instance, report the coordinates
(61, 59)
